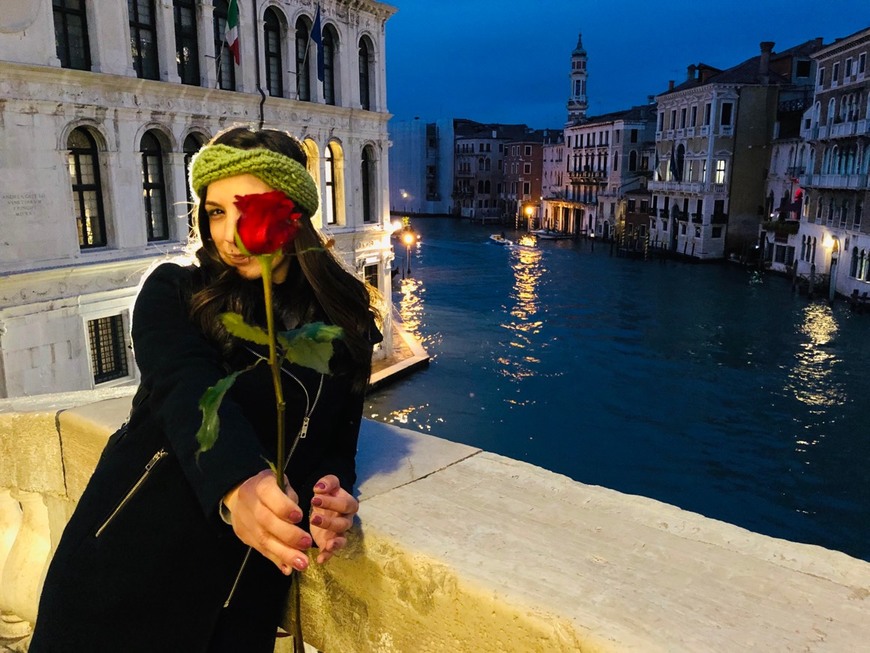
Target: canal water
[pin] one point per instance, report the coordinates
(706, 386)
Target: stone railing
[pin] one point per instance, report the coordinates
(463, 550)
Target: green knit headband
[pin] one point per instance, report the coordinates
(215, 162)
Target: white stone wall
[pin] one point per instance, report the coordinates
(49, 286)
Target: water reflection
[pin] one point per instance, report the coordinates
(409, 415)
(411, 306)
(519, 361)
(811, 377)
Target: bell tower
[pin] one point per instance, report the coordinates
(577, 100)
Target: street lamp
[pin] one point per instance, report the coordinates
(408, 238)
(529, 211)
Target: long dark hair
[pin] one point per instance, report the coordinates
(317, 286)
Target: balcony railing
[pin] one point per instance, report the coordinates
(719, 218)
(846, 182)
(677, 186)
(400, 583)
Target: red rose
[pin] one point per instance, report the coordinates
(268, 222)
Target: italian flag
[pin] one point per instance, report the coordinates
(232, 32)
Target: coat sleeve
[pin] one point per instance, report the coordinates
(178, 364)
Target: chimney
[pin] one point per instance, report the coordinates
(670, 85)
(651, 99)
(690, 72)
(764, 60)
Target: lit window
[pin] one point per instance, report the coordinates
(84, 172)
(186, 44)
(154, 188)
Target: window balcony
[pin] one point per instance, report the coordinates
(843, 182)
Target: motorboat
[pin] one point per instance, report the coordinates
(499, 239)
(550, 234)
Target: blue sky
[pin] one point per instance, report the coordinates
(508, 61)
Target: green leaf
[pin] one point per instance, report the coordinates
(236, 325)
(209, 404)
(310, 345)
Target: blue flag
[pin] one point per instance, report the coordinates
(317, 37)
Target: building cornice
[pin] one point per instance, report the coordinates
(838, 47)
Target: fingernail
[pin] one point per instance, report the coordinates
(300, 563)
(321, 486)
(317, 520)
(317, 501)
(295, 516)
(305, 543)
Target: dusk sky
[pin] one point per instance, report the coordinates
(507, 61)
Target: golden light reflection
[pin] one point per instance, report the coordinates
(810, 377)
(411, 306)
(528, 269)
(406, 416)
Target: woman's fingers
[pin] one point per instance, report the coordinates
(264, 517)
(334, 522)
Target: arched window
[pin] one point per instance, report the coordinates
(272, 45)
(303, 78)
(367, 179)
(854, 267)
(84, 171)
(154, 188)
(615, 161)
(71, 34)
(192, 144)
(226, 64)
(329, 179)
(480, 186)
(186, 44)
(366, 74)
(330, 65)
(143, 38)
(803, 247)
(632, 161)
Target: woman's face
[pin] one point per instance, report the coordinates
(222, 217)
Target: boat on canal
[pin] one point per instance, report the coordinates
(550, 234)
(499, 239)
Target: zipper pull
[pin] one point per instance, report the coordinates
(304, 430)
(153, 461)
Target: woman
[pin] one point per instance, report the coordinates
(156, 556)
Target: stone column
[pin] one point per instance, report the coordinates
(207, 54)
(165, 21)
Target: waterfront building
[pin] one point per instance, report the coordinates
(784, 196)
(523, 178)
(421, 167)
(713, 136)
(478, 173)
(96, 136)
(554, 185)
(834, 235)
(607, 157)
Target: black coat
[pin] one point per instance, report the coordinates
(146, 563)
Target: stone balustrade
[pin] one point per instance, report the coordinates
(463, 550)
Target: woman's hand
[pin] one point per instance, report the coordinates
(264, 517)
(332, 511)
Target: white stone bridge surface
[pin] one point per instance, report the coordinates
(460, 550)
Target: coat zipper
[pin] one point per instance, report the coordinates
(302, 432)
(156, 458)
(301, 435)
